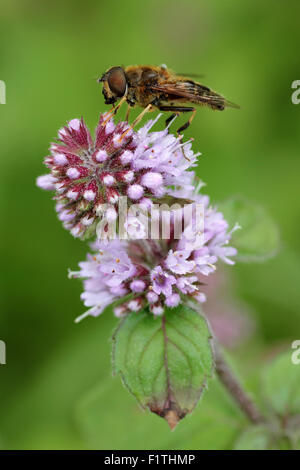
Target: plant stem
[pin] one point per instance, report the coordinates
(234, 387)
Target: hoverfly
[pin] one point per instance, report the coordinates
(152, 87)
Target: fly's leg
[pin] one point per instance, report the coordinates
(136, 121)
(186, 125)
(170, 118)
(176, 111)
(127, 113)
(114, 110)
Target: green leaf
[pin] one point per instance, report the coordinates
(258, 239)
(165, 362)
(281, 385)
(254, 438)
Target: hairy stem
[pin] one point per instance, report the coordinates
(234, 387)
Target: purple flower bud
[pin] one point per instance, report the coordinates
(157, 310)
(137, 285)
(173, 300)
(126, 157)
(46, 182)
(75, 124)
(134, 305)
(111, 214)
(152, 297)
(73, 173)
(60, 159)
(108, 180)
(66, 216)
(152, 180)
(89, 195)
(135, 191)
(101, 156)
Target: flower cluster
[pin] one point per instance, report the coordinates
(89, 175)
(135, 274)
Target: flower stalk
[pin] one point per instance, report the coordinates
(234, 387)
(156, 271)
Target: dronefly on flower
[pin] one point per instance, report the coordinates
(90, 175)
(136, 274)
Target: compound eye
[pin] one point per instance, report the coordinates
(117, 81)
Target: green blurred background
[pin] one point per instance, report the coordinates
(56, 389)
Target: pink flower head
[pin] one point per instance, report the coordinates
(89, 175)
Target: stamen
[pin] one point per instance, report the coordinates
(81, 317)
(171, 122)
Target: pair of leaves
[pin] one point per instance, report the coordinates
(166, 361)
(280, 389)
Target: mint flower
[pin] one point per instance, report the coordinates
(136, 274)
(90, 175)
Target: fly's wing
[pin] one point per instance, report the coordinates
(189, 91)
(191, 75)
